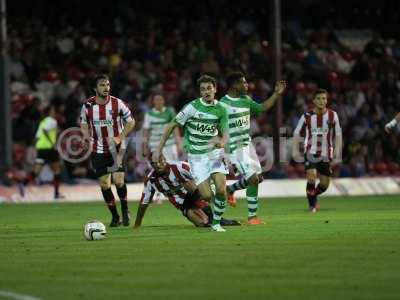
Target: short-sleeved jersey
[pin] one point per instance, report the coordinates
(105, 121)
(156, 121)
(318, 131)
(169, 184)
(202, 122)
(48, 124)
(239, 111)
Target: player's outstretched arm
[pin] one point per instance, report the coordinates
(140, 214)
(167, 132)
(392, 124)
(280, 87)
(178, 139)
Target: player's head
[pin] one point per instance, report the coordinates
(158, 101)
(208, 87)
(320, 99)
(236, 82)
(49, 110)
(102, 85)
(160, 165)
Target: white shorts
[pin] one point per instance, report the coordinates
(246, 161)
(203, 165)
(171, 153)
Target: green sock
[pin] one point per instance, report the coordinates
(252, 200)
(218, 209)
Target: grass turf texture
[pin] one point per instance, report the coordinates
(349, 250)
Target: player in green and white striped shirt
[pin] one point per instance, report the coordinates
(205, 124)
(241, 152)
(154, 124)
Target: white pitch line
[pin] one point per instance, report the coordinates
(16, 296)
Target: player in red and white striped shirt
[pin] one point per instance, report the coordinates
(175, 181)
(107, 121)
(322, 134)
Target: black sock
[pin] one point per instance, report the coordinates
(56, 184)
(238, 185)
(122, 194)
(110, 201)
(312, 199)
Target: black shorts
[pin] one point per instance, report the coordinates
(103, 164)
(46, 156)
(322, 166)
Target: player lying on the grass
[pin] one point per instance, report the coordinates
(175, 181)
(392, 124)
(241, 151)
(322, 139)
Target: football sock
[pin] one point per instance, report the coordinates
(207, 210)
(252, 200)
(312, 199)
(122, 193)
(56, 184)
(219, 208)
(238, 185)
(110, 201)
(320, 189)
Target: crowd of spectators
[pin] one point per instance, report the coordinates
(52, 61)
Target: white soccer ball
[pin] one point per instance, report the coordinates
(95, 230)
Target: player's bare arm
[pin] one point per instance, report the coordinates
(280, 87)
(129, 126)
(167, 132)
(338, 148)
(190, 186)
(140, 214)
(146, 137)
(392, 124)
(223, 141)
(178, 139)
(85, 130)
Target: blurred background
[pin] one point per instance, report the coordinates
(351, 48)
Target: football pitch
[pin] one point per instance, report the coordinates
(349, 250)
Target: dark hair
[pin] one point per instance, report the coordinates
(46, 110)
(207, 78)
(153, 95)
(100, 77)
(232, 78)
(320, 91)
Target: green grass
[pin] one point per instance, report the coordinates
(349, 250)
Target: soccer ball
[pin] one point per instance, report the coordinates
(95, 230)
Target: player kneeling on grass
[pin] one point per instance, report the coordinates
(175, 181)
(319, 127)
